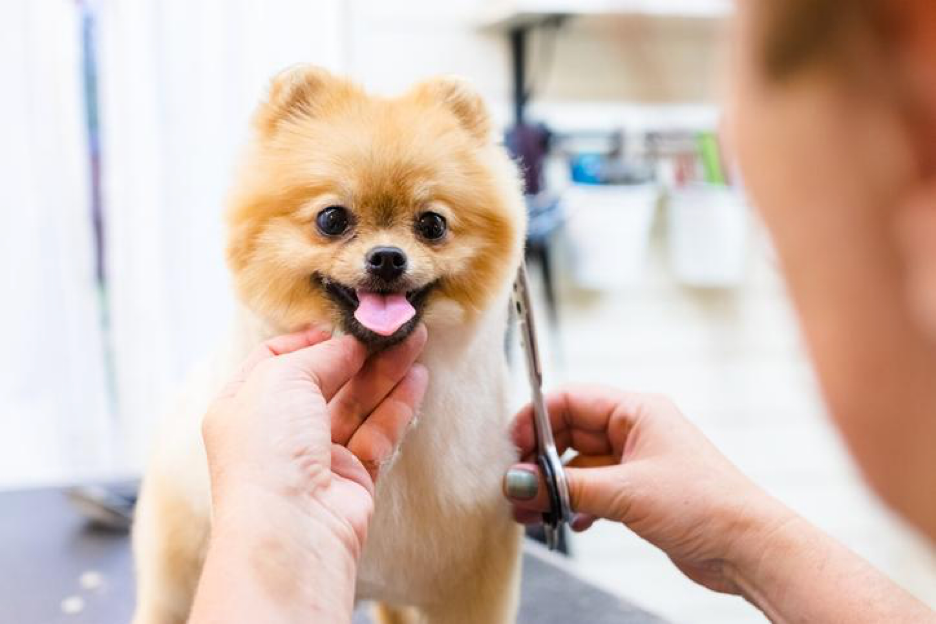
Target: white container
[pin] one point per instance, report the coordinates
(708, 231)
(608, 227)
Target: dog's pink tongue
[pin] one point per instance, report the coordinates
(383, 314)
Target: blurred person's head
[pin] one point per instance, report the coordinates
(833, 117)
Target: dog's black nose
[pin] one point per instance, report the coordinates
(387, 263)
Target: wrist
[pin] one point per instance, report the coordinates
(305, 522)
(289, 559)
(773, 537)
(760, 525)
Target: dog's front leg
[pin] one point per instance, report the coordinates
(169, 540)
(491, 594)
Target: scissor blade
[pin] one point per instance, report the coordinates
(527, 327)
(552, 536)
(548, 458)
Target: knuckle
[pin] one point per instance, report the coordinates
(333, 356)
(576, 493)
(351, 407)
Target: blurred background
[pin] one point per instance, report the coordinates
(121, 121)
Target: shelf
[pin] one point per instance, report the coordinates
(509, 14)
(572, 117)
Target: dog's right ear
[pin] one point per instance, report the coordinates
(460, 98)
(297, 91)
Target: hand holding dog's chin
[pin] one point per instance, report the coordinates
(294, 445)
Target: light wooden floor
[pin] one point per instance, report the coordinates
(735, 364)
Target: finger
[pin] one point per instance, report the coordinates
(522, 430)
(278, 345)
(376, 439)
(330, 364)
(591, 419)
(578, 461)
(582, 522)
(575, 427)
(346, 465)
(600, 492)
(595, 491)
(524, 486)
(592, 461)
(380, 374)
(526, 516)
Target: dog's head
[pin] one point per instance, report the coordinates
(369, 213)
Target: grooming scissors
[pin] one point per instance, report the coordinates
(547, 457)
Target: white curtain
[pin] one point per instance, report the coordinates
(54, 412)
(177, 82)
(179, 79)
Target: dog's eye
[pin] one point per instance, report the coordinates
(333, 221)
(431, 226)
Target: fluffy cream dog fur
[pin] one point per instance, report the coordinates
(442, 547)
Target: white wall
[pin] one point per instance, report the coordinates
(394, 44)
(597, 61)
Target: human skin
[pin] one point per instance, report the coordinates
(294, 445)
(641, 463)
(839, 161)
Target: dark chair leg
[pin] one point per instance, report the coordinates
(540, 254)
(550, 286)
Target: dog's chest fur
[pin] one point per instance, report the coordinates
(442, 493)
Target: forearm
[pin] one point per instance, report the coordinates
(797, 573)
(268, 571)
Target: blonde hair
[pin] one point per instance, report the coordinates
(806, 33)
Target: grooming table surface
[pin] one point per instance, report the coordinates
(45, 548)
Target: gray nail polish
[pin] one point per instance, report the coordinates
(520, 484)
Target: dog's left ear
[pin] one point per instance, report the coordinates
(460, 98)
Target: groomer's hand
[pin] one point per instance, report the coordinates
(295, 443)
(642, 463)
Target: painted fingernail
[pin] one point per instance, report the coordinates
(520, 484)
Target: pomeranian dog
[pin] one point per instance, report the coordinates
(369, 215)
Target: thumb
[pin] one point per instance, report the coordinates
(599, 492)
(330, 364)
(595, 491)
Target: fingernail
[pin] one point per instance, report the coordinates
(520, 484)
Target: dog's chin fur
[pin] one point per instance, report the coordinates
(320, 141)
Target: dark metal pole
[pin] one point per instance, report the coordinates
(518, 37)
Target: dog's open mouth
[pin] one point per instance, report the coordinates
(377, 317)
